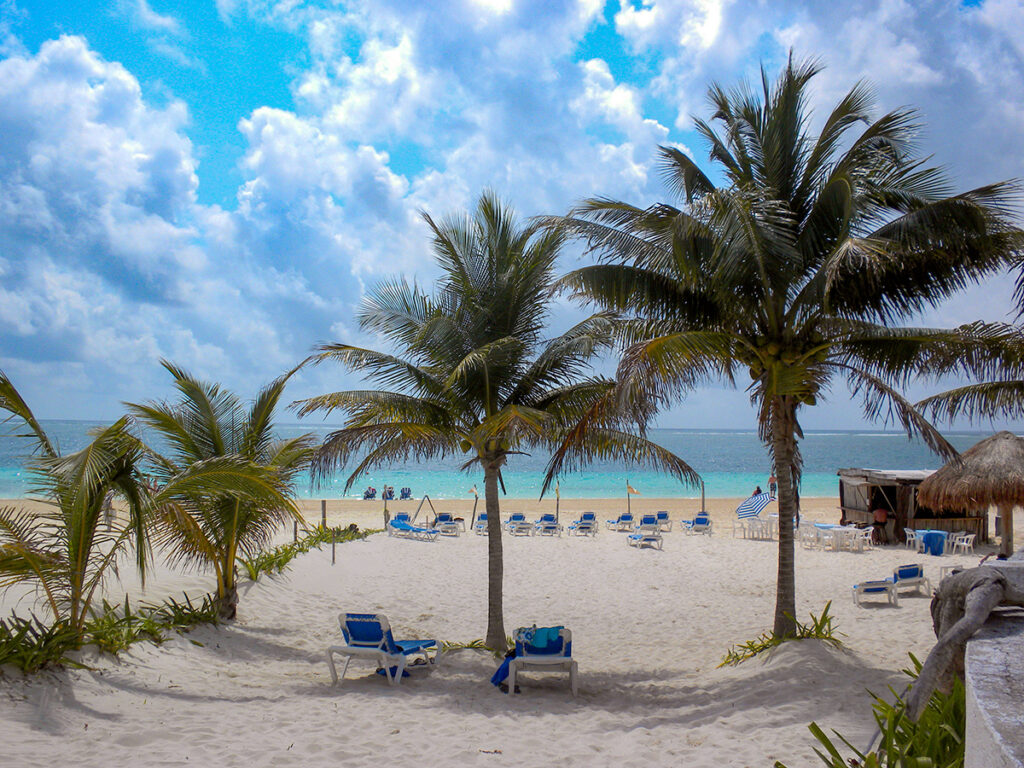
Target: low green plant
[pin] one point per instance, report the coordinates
(820, 628)
(30, 644)
(936, 740)
(115, 629)
(278, 559)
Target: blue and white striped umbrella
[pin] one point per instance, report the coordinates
(753, 506)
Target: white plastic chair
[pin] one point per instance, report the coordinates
(554, 657)
(912, 538)
(964, 543)
(863, 540)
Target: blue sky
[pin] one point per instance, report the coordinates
(217, 182)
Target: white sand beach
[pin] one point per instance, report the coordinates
(649, 628)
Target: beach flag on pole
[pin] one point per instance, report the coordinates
(558, 499)
(630, 491)
(476, 498)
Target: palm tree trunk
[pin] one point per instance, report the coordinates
(1006, 536)
(495, 562)
(784, 448)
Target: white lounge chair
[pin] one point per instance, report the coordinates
(448, 525)
(547, 525)
(585, 526)
(880, 587)
(648, 533)
(480, 526)
(404, 530)
(911, 575)
(368, 636)
(623, 522)
(547, 649)
(663, 520)
(518, 525)
(700, 524)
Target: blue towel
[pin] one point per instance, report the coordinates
(538, 639)
(934, 542)
(501, 675)
(394, 671)
(545, 636)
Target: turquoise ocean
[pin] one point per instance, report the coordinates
(731, 462)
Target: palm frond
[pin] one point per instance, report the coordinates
(883, 402)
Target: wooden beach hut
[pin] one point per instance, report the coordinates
(861, 491)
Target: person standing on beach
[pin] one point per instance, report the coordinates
(881, 517)
(773, 486)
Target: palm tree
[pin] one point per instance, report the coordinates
(67, 550)
(211, 426)
(798, 269)
(473, 374)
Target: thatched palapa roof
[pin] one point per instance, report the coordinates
(990, 472)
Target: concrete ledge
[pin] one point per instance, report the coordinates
(995, 692)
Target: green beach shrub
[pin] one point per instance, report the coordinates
(820, 628)
(31, 645)
(936, 740)
(278, 559)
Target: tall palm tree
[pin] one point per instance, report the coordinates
(798, 269)
(68, 549)
(473, 374)
(211, 425)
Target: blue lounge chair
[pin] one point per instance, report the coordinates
(543, 649)
(368, 636)
(518, 525)
(585, 526)
(648, 533)
(880, 587)
(447, 525)
(663, 520)
(480, 526)
(547, 525)
(405, 493)
(623, 522)
(404, 530)
(700, 524)
(911, 576)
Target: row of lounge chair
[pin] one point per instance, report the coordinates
(368, 636)
(401, 525)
